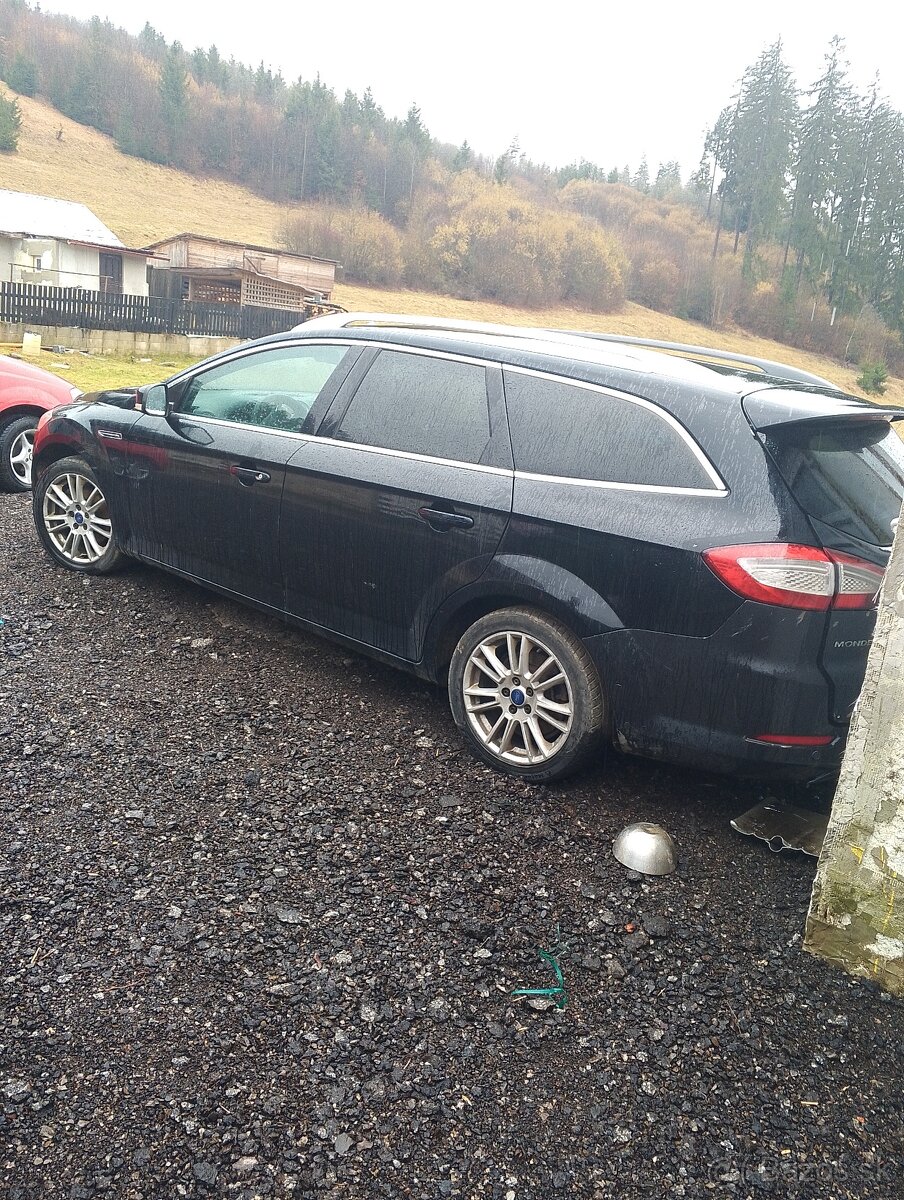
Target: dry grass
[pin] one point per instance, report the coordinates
(142, 202)
(97, 372)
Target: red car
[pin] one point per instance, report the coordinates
(26, 392)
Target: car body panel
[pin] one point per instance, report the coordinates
(26, 388)
(205, 500)
(358, 556)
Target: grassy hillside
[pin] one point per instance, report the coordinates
(142, 202)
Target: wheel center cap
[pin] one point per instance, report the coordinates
(518, 697)
(79, 519)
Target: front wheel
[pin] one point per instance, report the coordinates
(526, 695)
(73, 518)
(17, 439)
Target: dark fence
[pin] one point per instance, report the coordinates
(35, 304)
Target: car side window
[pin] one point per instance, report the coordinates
(420, 404)
(274, 389)
(575, 432)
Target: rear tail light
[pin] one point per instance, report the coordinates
(793, 576)
(856, 579)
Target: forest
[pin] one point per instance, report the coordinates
(791, 225)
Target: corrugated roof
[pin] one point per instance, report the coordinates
(42, 216)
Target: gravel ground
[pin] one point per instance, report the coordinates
(261, 916)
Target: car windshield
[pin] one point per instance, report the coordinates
(847, 474)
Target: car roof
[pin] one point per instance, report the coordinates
(516, 345)
(692, 389)
(615, 349)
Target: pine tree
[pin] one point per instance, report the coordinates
(10, 124)
(174, 96)
(756, 150)
(505, 163)
(416, 132)
(668, 180)
(464, 157)
(22, 75)
(819, 169)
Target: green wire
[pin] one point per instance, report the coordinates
(558, 991)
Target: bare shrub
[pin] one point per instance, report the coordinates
(367, 246)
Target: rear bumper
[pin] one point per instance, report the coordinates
(704, 701)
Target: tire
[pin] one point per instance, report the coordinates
(541, 720)
(16, 441)
(73, 519)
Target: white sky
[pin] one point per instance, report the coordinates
(571, 79)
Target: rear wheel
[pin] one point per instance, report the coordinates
(17, 439)
(526, 695)
(73, 518)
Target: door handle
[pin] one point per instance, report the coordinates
(248, 476)
(440, 520)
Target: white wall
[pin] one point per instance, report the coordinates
(70, 266)
(134, 275)
(79, 266)
(18, 255)
(7, 272)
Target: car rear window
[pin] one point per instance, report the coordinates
(564, 430)
(849, 475)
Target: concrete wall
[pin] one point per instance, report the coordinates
(105, 341)
(856, 917)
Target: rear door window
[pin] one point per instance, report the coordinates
(423, 405)
(847, 474)
(583, 433)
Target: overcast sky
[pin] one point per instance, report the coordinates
(571, 80)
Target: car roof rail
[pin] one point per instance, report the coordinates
(767, 366)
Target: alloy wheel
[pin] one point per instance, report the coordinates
(20, 456)
(77, 519)
(518, 698)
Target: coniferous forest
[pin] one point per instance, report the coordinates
(791, 225)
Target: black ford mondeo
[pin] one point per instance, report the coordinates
(586, 541)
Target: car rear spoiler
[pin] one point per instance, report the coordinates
(776, 370)
(774, 407)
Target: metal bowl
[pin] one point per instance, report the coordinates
(646, 848)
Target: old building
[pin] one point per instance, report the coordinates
(212, 270)
(63, 244)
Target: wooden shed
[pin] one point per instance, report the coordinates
(212, 270)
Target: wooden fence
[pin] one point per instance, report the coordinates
(36, 304)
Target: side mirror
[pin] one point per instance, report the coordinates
(154, 400)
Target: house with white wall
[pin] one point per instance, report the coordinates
(63, 244)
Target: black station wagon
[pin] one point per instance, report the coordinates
(585, 541)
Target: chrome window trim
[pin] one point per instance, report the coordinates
(666, 489)
(427, 352)
(241, 352)
(719, 490)
(325, 340)
(699, 454)
(324, 441)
